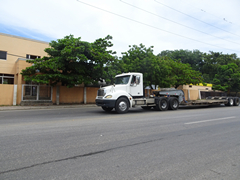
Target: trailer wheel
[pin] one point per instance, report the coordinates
(173, 103)
(122, 105)
(230, 102)
(107, 109)
(236, 101)
(162, 104)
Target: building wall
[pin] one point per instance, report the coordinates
(6, 94)
(74, 95)
(70, 95)
(17, 48)
(18, 79)
(91, 94)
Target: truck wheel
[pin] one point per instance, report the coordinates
(122, 105)
(236, 101)
(230, 102)
(107, 109)
(173, 103)
(162, 104)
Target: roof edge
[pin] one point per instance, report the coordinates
(19, 37)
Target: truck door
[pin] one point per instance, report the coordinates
(135, 88)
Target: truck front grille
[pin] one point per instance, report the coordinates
(100, 92)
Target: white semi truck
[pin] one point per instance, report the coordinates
(128, 92)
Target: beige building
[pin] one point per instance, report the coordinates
(13, 54)
(14, 51)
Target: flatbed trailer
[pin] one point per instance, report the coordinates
(205, 102)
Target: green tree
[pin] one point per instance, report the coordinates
(181, 74)
(111, 70)
(158, 70)
(71, 61)
(141, 59)
(227, 78)
(213, 60)
(194, 58)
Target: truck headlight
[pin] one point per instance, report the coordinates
(108, 96)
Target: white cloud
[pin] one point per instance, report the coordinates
(129, 25)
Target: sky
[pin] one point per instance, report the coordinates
(204, 25)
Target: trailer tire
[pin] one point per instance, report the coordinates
(236, 101)
(173, 103)
(162, 104)
(107, 109)
(122, 105)
(230, 102)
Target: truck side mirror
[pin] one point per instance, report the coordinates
(137, 79)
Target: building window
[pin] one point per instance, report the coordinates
(3, 55)
(28, 56)
(6, 79)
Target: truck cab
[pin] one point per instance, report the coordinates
(121, 95)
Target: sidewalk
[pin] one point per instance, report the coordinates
(8, 108)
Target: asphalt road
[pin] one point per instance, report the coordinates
(87, 143)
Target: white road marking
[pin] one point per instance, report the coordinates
(210, 120)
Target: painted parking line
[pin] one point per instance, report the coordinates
(210, 120)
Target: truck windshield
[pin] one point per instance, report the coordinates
(122, 79)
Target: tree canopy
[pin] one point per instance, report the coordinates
(161, 71)
(194, 58)
(215, 67)
(227, 78)
(71, 61)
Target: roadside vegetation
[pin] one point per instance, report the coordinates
(71, 61)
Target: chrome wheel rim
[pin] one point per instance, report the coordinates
(164, 104)
(122, 106)
(175, 104)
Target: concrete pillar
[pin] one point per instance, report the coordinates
(85, 95)
(189, 94)
(38, 88)
(15, 95)
(51, 93)
(57, 94)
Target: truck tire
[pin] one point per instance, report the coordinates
(173, 103)
(122, 105)
(107, 109)
(230, 102)
(162, 104)
(236, 101)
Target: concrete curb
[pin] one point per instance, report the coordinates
(9, 108)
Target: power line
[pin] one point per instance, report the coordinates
(206, 12)
(194, 18)
(153, 26)
(178, 23)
